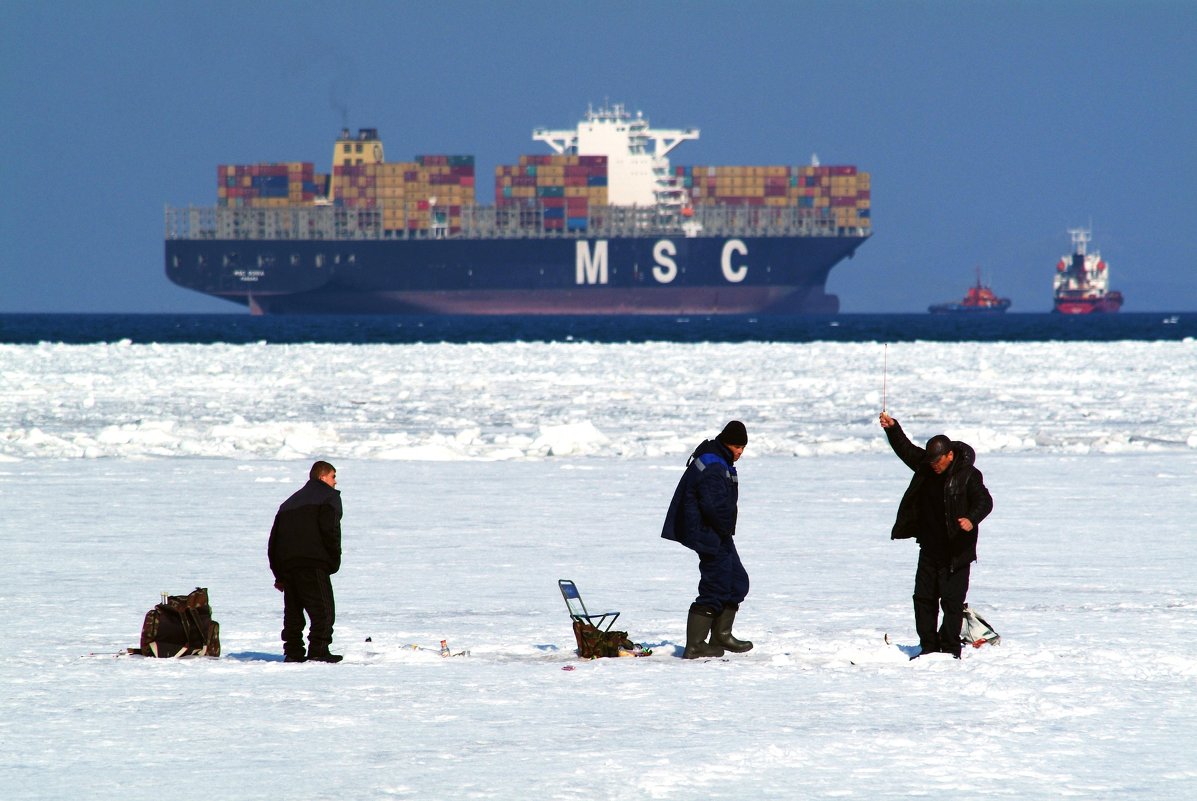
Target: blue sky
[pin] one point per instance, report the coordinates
(989, 129)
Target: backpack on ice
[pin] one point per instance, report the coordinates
(594, 643)
(181, 625)
(593, 632)
(975, 631)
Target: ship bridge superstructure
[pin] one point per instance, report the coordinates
(1081, 274)
(638, 171)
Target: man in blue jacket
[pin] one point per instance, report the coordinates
(942, 509)
(304, 551)
(702, 516)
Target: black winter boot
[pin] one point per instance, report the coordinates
(721, 631)
(323, 655)
(698, 626)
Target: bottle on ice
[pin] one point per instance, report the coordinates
(444, 647)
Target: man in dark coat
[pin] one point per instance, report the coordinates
(942, 509)
(702, 516)
(304, 551)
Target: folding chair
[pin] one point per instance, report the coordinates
(577, 609)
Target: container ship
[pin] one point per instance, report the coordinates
(602, 224)
(979, 299)
(1082, 282)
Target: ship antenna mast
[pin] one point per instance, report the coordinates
(1080, 239)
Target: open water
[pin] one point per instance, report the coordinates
(24, 329)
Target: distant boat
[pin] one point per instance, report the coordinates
(1082, 282)
(979, 299)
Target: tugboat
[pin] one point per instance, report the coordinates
(1082, 282)
(980, 299)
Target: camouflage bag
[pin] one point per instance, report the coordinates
(181, 625)
(594, 643)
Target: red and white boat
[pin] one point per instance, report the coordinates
(1082, 282)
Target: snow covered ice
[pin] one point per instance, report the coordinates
(439, 401)
(475, 476)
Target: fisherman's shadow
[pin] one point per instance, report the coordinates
(254, 656)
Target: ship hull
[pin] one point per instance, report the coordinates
(1107, 304)
(559, 275)
(961, 308)
(1087, 306)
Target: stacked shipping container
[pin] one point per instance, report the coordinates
(268, 185)
(839, 194)
(415, 195)
(553, 192)
(565, 187)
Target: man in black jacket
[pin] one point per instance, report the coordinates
(942, 509)
(304, 551)
(702, 516)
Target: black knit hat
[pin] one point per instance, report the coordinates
(734, 433)
(937, 446)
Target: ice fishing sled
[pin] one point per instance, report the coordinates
(593, 633)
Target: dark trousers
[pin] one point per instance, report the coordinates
(938, 587)
(307, 590)
(722, 581)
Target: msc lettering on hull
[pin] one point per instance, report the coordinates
(591, 265)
